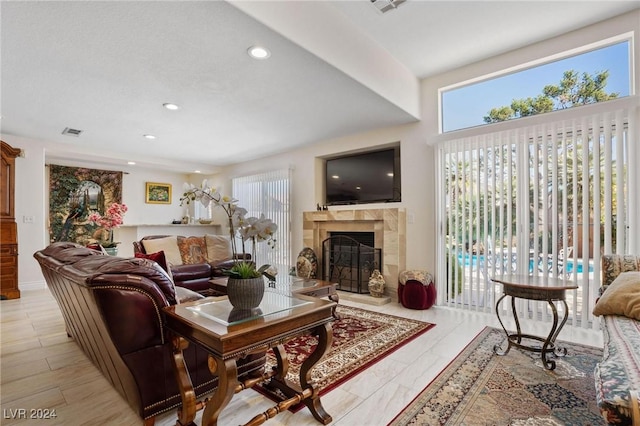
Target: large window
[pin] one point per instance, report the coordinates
(546, 198)
(468, 105)
(268, 193)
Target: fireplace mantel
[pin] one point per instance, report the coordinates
(388, 226)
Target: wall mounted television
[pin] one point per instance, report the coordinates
(367, 177)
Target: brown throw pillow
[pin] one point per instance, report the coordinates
(622, 297)
(193, 250)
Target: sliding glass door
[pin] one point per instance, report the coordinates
(269, 194)
(547, 198)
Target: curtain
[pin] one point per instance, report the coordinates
(547, 198)
(269, 194)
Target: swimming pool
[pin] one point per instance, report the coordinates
(473, 261)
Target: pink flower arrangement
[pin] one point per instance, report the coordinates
(112, 218)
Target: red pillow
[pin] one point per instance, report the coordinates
(158, 257)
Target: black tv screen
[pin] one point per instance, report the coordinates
(369, 177)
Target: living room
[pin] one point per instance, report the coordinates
(417, 135)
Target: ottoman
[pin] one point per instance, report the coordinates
(416, 289)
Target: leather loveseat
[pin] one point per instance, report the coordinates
(112, 308)
(193, 261)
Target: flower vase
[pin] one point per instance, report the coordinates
(111, 251)
(245, 293)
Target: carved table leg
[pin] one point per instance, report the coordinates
(227, 372)
(325, 338)
(306, 393)
(187, 413)
(497, 349)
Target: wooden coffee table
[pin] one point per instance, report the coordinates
(213, 324)
(547, 289)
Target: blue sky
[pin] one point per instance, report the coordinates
(466, 106)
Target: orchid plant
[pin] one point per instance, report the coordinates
(251, 229)
(112, 218)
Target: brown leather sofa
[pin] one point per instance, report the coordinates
(112, 307)
(193, 276)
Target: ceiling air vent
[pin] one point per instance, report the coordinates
(386, 5)
(71, 132)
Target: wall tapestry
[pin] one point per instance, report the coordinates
(75, 193)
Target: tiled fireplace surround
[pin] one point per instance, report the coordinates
(389, 228)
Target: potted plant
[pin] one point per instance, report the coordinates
(245, 286)
(113, 218)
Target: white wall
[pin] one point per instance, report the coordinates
(32, 183)
(29, 194)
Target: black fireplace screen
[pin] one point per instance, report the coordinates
(349, 263)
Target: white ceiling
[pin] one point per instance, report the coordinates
(106, 68)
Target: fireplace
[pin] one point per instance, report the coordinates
(349, 259)
(388, 226)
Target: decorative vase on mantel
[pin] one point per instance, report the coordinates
(245, 293)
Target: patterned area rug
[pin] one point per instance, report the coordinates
(360, 339)
(481, 388)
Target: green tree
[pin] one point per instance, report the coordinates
(572, 90)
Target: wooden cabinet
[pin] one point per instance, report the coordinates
(8, 227)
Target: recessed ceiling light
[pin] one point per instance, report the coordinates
(149, 136)
(172, 107)
(197, 171)
(258, 52)
(131, 163)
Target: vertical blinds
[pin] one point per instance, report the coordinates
(269, 194)
(546, 199)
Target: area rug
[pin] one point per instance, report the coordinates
(360, 339)
(481, 388)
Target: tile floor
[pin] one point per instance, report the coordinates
(42, 368)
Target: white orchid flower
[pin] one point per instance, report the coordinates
(247, 228)
(225, 199)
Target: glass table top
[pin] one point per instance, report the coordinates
(224, 313)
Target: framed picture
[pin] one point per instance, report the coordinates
(158, 193)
